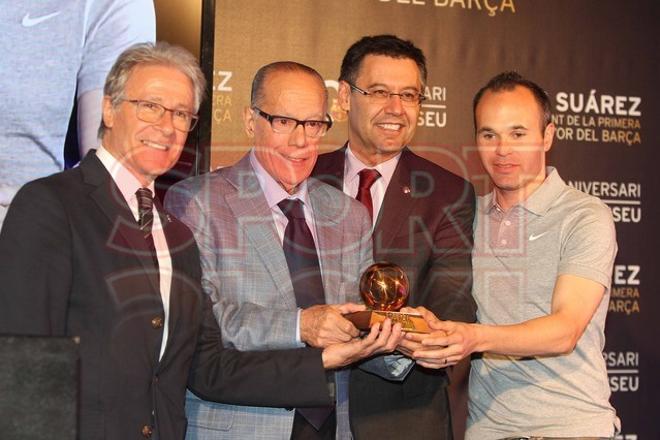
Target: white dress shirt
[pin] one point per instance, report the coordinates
(352, 168)
(128, 184)
(274, 194)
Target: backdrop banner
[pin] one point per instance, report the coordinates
(598, 61)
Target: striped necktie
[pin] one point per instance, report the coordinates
(145, 199)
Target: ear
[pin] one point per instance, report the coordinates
(344, 96)
(108, 112)
(548, 136)
(249, 121)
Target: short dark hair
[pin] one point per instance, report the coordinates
(257, 92)
(508, 81)
(387, 45)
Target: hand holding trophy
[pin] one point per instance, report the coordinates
(384, 287)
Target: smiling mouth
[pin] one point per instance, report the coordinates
(390, 126)
(294, 159)
(156, 145)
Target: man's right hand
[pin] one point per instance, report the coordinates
(446, 344)
(383, 338)
(324, 325)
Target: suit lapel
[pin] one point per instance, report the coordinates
(249, 206)
(396, 206)
(330, 168)
(397, 202)
(328, 237)
(124, 236)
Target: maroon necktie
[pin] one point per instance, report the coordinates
(367, 178)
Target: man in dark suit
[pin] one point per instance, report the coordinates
(88, 253)
(422, 216)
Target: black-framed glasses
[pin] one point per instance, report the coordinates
(381, 96)
(152, 112)
(286, 125)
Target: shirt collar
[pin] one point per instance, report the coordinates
(546, 195)
(127, 183)
(540, 200)
(353, 166)
(272, 190)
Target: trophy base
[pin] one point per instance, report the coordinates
(409, 323)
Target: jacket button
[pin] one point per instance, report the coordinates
(157, 322)
(147, 431)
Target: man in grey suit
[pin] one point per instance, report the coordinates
(254, 223)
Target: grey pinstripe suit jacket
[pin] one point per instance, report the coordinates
(246, 275)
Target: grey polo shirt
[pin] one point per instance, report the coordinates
(517, 258)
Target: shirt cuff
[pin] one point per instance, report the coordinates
(298, 340)
(397, 364)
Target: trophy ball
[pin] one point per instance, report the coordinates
(384, 286)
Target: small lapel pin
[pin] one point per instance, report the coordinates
(406, 190)
(169, 218)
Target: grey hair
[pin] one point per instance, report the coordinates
(160, 53)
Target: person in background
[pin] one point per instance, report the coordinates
(57, 53)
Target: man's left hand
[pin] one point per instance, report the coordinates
(446, 345)
(324, 325)
(382, 338)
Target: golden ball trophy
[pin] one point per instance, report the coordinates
(384, 287)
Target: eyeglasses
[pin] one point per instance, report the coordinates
(153, 112)
(286, 125)
(381, 96)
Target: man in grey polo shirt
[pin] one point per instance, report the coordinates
(542, 264)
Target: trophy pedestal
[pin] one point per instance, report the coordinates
(409, 323)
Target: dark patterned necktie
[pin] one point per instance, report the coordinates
(301, 256)
(303, 262)
(367, 178)
(145, 201)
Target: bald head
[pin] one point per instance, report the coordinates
(265, 72)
